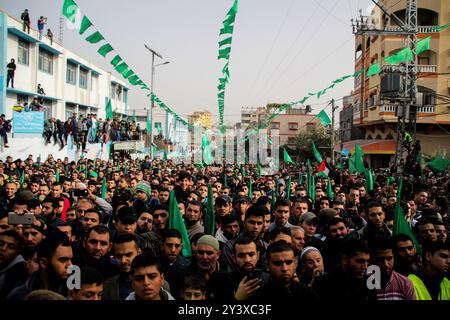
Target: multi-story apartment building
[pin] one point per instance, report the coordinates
(376, 117)
(204, 118)
(71, 83)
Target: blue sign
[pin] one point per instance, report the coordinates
(28, 122)
(345, 152)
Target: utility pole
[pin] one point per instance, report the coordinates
(61, 30)
(406, 100)
(333, 108)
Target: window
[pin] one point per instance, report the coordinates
(45, 61)
(24, 52)
(71, 73)
(22, 97)
(83, 78)
(275, 125)
(293, 126)
(424, 61)
(113, 91)
(125, 95)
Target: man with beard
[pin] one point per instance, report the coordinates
(50, 210)
(164, 195)
(33, 236)
(125, 250)
(349, 281)
(144, 223)
(281, 213)
(394, 286)
(336, 233)
(228, 230)
(54, 256)
(375, 223)
(95, 252)
(244, 281)
(206, 257)
(193, 218)
(405, 255)
(299, 207)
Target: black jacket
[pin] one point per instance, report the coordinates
(295, 292)
(12, 275)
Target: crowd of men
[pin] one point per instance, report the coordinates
(272, 243)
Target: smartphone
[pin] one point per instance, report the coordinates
(25, 219)
(254, 274)
(80, 193)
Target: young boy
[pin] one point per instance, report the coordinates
(193, 288)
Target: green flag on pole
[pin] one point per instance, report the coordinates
(313, 189)
(104, 189)
(210, 215)
(70, 10)
(109, 112)
(288, 188)
(329, 189)
(22, 180)
(250, 188)
(85, 24)
(274, 196)
(369, 180)
(308, 177)
(324, 118)
(404, 55)
(300, 179)
(316, 153)
(400, 224)
(57, 175)
(287, 158)
(359, 162)
(176, 222)
(95, 38)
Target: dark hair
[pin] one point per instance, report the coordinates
(194, 281)
(93, 210)
(276, 247)
(421, 222)
(195, 203)
(126, 215)
(353, 246)
(229, 218)
(243, 241)
(171, 233)
(301, 200)
(263, 201)
(48, 246)
(90, 275)
(282, 203)
(256, 211)
(335, 220)
(401, 237)
(277, 231)
(163, 207)
(100, 229)
(125, 238)
(52, 200)
(432, 247)
(380, 243)
(12, 234)
(373, 204)
(33, 203)
(146, 259)
(196, 237)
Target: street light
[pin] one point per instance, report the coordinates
(154, 53)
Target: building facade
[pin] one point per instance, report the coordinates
(204, 118)
(71, 83)
(375, 116)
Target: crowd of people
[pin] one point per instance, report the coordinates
(271, 240)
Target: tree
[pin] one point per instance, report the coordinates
(321, 138)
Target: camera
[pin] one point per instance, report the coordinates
(254, 274)
(80, 192)
(25, 219)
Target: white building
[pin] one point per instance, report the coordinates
(71, 83)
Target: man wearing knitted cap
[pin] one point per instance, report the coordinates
(144, 201)
(207, 256)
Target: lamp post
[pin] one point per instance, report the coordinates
(154, 53)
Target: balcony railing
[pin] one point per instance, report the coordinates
(399, 68)
(422, 29)
(420, 109)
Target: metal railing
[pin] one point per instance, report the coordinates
(424, 68)
(420, 109)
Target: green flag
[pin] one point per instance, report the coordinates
(316, 153)
(225, 180)
(308, 178)
(226, 30)
(423, 45)
(70, 10)
(95, 38)
(210, 215)
(404, 55)
(288, 188)
(85, 24)
(359, 162)
(313, 189)
(57, 175)
(243, 172)
(176, 222)
(400, 224)
(324, 118)
(22, 180)
(109, 112)
(300, 179)
(438, 29)
(104, 189)
(207, 151)
(105, 49)
(287, 158)
(250, 188)
(158, 127)
(274, 196)
(369, 180)
(224, 53)
(149, 125)
(115, 61)
(225, 41)
(439, 164)
(329, 189)
(351, 164)
(373, 69)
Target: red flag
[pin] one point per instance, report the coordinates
(323, 168)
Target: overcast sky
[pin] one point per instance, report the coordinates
(281, 49)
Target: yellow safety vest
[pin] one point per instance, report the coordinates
(422, 291)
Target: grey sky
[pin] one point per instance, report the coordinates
(281, 49)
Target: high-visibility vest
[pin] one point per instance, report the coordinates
(422, 291)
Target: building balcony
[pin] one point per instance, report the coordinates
(401, 68)
(421, 29)
(420, 109)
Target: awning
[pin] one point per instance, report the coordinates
(31, 94)
(369, 146)
(22, 35)
(49, 49)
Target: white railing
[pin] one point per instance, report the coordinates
(421, 29)
(388, 108)
(426, 109)
(423, 68)
(356, 115)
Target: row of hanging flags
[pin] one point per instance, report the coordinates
(79, 21)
